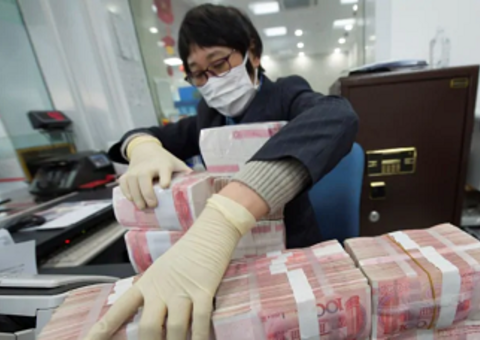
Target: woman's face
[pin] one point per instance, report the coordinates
(211, 57)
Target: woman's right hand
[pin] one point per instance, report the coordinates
(149, 161)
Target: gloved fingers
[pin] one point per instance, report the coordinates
(145, 181)
(126, 306)
(124, 187)
(182, 167)
(152, 320)
(165, 173)
(135, 191)
(202, 313)
(178, 323)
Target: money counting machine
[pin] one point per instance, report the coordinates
(27, 302)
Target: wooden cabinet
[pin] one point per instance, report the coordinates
(415, 127)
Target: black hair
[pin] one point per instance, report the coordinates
(215, 25)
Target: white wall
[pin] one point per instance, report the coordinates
(405, 28)
(321, 71)
(97, 80)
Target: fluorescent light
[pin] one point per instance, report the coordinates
(260, 8)
(301, 54)
(348, 27)
(153, 30)
(347, 2)
(342, 41)
(300, 45)
(337, 51)
(298, 33)
(275, 31)
(265, 57)
(173, 61)
(355, 8)
(342, 23)
(154, 8)
(373, 38)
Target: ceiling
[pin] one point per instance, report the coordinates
(315, 20)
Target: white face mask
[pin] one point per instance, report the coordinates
(231, 93)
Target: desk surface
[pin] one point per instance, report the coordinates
(49, 240)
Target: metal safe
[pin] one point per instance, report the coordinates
(415, 128)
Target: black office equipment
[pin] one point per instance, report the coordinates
(49, 120)
(26, 221)
(63, 174)
(54, 242)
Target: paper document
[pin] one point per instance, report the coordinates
(18, 259)
(67, 214)
(5, 238)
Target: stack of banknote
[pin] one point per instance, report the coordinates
(308, 293)
(420, 279)
(298, 294)
(465, 330)
(178, 206)
(227, 149)
(145, 246)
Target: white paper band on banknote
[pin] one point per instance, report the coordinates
(119, 289)
(165, 210)
(406, 242)
(158, 242)
(274, 253)
(451, 284)
(328, 250)
(306, 305)
(132, 330)
(461, 251)
(278, 266)
(451, 280)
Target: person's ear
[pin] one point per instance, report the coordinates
(254, 60)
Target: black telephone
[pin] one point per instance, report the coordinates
(62, 175)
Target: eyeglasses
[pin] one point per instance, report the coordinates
(217, 68)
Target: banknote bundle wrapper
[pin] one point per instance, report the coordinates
(145, 246)
(227, 149)
(423, 281)
(296, 294)
(178, 206)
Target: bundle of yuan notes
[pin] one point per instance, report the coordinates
(421, 280)
(145, 246)
(465, 330)
(227, 149)
(178, 206)
(298, 294)
(312, 293)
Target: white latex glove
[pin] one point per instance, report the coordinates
(148, 161)
(184, 280)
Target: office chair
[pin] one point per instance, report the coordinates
(336, 197)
